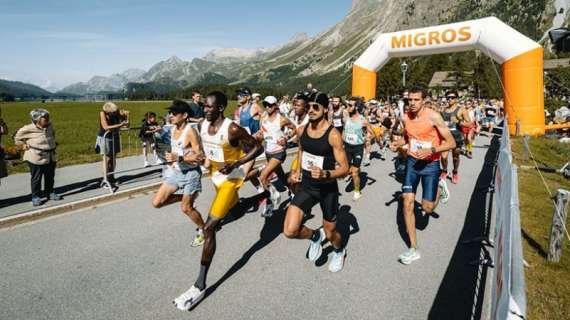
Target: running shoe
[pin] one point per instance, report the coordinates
(444, 191)
(356, 196)
(409, 256)
(315, 248)
(367, 159)
(455, 178)
(146, 164)
(469, 155)
(347, 178)
(443, 175)
(383, 152)
(268, 210)
(274, 195)
(36, 201)
(198, 239)
(54, 196)
(158, 162)
(189, 298)
(337, 261)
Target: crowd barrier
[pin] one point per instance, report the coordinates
(508, 298)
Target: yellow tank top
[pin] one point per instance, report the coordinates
(217, 148)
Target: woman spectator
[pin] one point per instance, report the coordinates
(111, 119)
(38, 141)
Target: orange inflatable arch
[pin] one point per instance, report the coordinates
(521, 59)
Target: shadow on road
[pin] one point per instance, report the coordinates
(461, 292)
(84, 186)
(346, 225)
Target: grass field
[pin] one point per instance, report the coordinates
(548, 291)
(76, 125)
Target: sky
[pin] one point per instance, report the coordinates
(54, 43)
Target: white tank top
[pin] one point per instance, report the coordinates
(272, 133)
(177, 146)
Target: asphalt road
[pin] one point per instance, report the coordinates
(126, 260)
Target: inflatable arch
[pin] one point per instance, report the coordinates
(521, 59)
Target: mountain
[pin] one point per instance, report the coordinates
(115, 82)
(18, 89)
(327, 57)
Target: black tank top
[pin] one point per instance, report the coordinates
(318, 147)
(448, 118)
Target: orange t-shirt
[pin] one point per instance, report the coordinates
(421, 133)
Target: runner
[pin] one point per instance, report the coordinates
(272, 132)
(453, 114)
(468, 128)
(319, 148)
(426, 136)
(490, 111)
(353, 137)
(247, 116)
(183, 171)
(337, 113)
(299, 119)
(224, 142)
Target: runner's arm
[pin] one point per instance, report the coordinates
(337, 144)
(448, 140)
(238, 136)
(194, 140)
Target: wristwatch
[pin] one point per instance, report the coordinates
(327, 174)
(432, 150)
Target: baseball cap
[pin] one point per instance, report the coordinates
(269, 100)
(255, 95)
(179, 106)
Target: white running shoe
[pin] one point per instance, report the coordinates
(337, 261)
(158, 162)
(356, 196)
(409, 256)
(198, 239)
(146, 164)
(444, 191)
(274, 195)
(267, 209)
(189, 298)
(315, 248)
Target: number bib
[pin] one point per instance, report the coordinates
(214, 152)
(416, 145)
(308, 160)
(351, 138)
(337, 123)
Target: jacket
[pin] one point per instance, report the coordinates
(41, 142)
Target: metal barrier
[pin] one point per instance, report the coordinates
(508, 299)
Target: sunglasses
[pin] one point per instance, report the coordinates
(315, 106)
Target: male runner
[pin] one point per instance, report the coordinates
(355, 128)
(224, 143)
(337, 113)
(426, 136)
(320, 146)
(183, 171)
(453, 115)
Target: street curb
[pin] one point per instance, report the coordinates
(34, 215)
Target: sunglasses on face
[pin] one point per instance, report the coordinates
(315, 106)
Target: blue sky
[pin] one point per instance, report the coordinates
(54, 43)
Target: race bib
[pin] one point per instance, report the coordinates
(416, 145)
(214, 152)
(309, 160)
(351, 138)
(337, 122)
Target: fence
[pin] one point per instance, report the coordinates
(508, 299)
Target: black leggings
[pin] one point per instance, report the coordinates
(47, 171)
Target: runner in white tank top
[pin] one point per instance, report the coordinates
(272, 132)
(183, 171)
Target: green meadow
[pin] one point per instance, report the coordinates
(76, 125)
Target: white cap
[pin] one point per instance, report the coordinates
(270, 100)
(255, 95)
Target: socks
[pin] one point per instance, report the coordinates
(201, 281)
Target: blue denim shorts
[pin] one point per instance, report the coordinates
(189, 181)
(426, 171)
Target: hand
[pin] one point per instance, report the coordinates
(228, 168)
(423, 153)
(282, 141)
(317, 173)
(171, 156)
(295, 177)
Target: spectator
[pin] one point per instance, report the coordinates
(197, 108)
(285, 106)
(3, 131)
(111, 119)
(38, 141)
(150, 130)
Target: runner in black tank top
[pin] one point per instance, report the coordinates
(320, 146)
